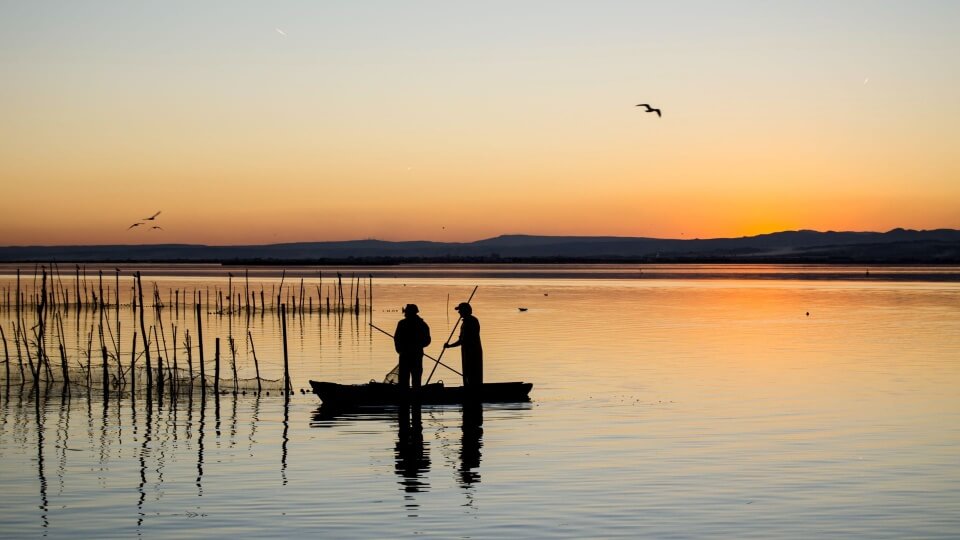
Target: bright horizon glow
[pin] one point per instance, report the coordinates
(299, 121)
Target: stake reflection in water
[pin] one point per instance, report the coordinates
(152, 441)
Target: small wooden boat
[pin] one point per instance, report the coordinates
(377, 393)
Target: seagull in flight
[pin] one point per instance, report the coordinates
(153, 217)
(134, 225)
(650, 109)
(156, 227)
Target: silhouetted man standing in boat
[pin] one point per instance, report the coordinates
(411, 337)
(470, 349)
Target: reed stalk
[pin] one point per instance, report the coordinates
(256, 364)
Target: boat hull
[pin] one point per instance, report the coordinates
(375, 393)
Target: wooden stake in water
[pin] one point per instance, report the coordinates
(90, 358)
(118, 314)
(256, 364)
(216, 368)
(283, 275)
(133, 362)
(106, 377)
(203, 378)
(287, 386)
(246, 288)
(174, 379)
(188, 345)
(6, 354)
(79, 300)
(153, 330)
(233, 364)
(143, 332)
(16, 341)
(42, 322)
(63, 352)
(356, 299)
(34, 369)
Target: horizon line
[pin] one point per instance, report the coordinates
(504, 235)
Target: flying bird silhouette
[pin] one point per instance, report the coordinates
(650, 109)
(153, 217)
(134, 225)
(156, 227)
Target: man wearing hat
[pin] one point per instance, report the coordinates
(411, 337)
(470, 349)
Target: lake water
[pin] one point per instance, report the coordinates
(668, 402)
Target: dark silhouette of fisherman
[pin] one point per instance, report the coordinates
(471, 351)
(411, 337)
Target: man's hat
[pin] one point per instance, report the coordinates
(464, 307)
(411, 308)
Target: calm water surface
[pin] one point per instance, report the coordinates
(674, 407)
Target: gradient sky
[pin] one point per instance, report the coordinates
(256, 122)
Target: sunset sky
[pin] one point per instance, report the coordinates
(260, 122)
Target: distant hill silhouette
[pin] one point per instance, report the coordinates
(895, 246)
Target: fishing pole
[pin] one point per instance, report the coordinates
(460, 318)
(425, 354)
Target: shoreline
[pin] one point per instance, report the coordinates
(577, 271)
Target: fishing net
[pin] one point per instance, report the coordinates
(393, 377)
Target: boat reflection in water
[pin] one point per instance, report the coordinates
(412, 451)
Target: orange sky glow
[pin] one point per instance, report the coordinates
(432, 121)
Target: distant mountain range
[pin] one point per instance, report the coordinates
(895, 246)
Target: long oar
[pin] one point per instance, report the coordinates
(425, 354)
(460, 318)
